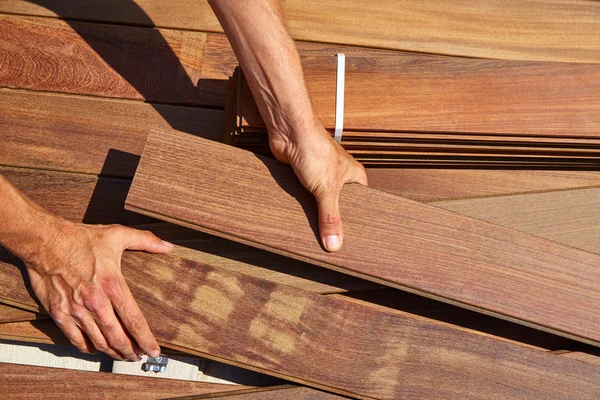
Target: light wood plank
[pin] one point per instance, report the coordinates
(235, 194)
(571, 217)
(559, 30)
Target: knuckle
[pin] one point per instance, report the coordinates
(111, 286)
(118, 343)
(135, 324)
(93, 301)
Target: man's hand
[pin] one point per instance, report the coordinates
(256, 30)
(77, 278)
(323, 167)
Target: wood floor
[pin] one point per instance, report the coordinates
(82, 87)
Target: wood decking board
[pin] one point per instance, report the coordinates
(559, 30)
(459, 260)
(94, 136)
(571, 217)
(289, 333)
(28, 382)
(84, 198)
(433, 184)
(283, 392)
(13, 314)
(89, 135)
(102, 60)
(417, 93)
(76, 197)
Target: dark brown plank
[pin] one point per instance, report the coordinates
(30, 382)
(289, 333)
(460, 260)
(565, 30)
(101, 60)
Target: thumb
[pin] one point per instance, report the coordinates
(330, 221)
(134, 239)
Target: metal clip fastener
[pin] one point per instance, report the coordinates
(156, 364)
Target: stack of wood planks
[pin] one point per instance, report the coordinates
(455, 280)
(417, 110)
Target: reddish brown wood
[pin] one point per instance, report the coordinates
(419, 93)
(235, 194)
(103, 60)
(28, 382)
(275, 329)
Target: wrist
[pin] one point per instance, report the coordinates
(34, 235)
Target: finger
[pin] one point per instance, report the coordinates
(87, 324)
(330, 221)
(132, 318)
(104, 329)
(75, 335)
(134, 239)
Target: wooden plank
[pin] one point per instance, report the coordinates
(275, 329)
(392, 299)
(101, 60)
(431, 184)
(282, 392)
(84, 198)
(112, 134)
(504, 273)
(54, 131)
(571, 217)
(417, 93)
(13, 314)
(76, 197)
(27, 382)
(559, 30)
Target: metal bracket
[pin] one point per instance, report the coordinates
(156, 364)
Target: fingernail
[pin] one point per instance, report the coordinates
(154, 353)
(167, 243)
(332, 242)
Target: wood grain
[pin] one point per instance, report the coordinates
(502, 272)
(101, 60)
(283, 392)
(571, 217)
(13, 314)
(559, 30)
(29, 382)
(289, 333)
(84, 198)
(416, 93)
(112, 133)
(431, 184)
(89, 135)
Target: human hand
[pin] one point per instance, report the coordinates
(77, 278)
(323, 167)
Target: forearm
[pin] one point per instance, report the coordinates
(271, 63)
(24, 225)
